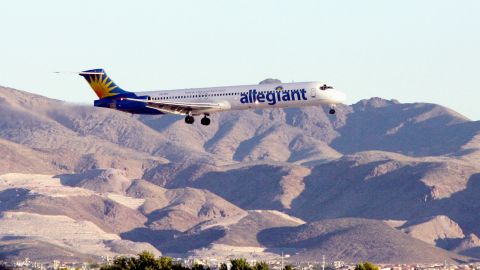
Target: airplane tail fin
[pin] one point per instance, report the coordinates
(101, 83)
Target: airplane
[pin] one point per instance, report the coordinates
(193, 102)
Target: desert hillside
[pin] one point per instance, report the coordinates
(380, 180)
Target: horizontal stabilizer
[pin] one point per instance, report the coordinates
(80, 72)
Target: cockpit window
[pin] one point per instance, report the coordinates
(325, 87)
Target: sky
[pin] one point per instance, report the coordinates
(409, 50)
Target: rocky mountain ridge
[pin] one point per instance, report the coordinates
(254, 183)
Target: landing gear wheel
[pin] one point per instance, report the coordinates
(205, 121)
(332, 111)
(189, 119)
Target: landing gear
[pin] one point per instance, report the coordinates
(189, 119)
(205, 121)
(332, 109)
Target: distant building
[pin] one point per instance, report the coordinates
(56, 264)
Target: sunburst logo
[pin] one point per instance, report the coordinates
(102, 85)
(279, 88)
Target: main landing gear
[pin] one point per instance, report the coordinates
(204, 121)
(189, 119)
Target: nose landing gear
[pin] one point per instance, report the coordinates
(332, 109)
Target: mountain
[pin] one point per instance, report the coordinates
(404, 188)
(435, 229)
(416, 129)
(354, 240)
(381, 180)
(275, 188)
(182, 209)
(92, 221)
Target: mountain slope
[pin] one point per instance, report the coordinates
(405, 188)
(354, 240)
(226, 187)
(417, 129)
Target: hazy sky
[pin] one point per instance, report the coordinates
(410, 50)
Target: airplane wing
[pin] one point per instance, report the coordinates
(177, 107)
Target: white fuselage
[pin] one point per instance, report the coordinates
(261, 96)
